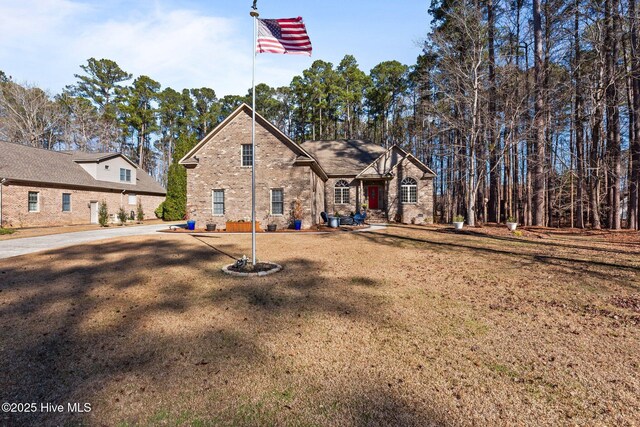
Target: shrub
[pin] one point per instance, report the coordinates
(6, 231)
(139, 212)
(175, 205)
(103, 214)
(458, 218)
(174, 210)
(160, 211)
(122, 215)
(511, 219)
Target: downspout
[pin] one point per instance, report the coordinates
(2, 181)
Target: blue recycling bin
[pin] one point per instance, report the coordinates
(191, 225)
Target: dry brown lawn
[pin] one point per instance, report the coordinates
(406, 326)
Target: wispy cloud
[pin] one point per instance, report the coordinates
(45, 42)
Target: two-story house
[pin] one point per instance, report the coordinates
(333, 176)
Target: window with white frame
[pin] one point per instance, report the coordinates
(34, 205)
(125, 175)
(66, 202)
(277, 201)
(218, 202)
(341, 192)
(409, 188)
(247, 154)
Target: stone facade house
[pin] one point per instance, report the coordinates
(47, 188)
(332, 176)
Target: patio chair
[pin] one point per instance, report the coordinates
(358, 219)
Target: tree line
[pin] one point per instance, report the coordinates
(155, 127)
(524, 109)
(531, 110)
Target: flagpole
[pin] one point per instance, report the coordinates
(254, 13)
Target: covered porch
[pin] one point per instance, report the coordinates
(372, 194)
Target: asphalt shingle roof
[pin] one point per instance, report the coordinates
(24, 163)
(343, 156)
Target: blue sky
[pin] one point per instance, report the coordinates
(187, 44)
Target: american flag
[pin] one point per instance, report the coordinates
(287, 35)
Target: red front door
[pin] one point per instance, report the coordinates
(373, 197)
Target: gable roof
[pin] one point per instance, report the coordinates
(340, 157)
(37, 165)
(87, 157)
(344, 156)
(302, 155)
(388, 157)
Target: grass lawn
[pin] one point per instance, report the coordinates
(405, 326)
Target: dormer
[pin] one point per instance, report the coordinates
(108, 167)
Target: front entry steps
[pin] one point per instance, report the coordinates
(376, 216)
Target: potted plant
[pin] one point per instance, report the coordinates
(191, 223)
(512, 223)
(211, 227)
(272, 227)
(458, 222)
(297, 213)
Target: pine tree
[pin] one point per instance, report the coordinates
(175, 205)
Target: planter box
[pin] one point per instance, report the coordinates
(241, 227)
(512, 226)
(458, 225)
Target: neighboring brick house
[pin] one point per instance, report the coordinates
(331, 176)
(47, 188)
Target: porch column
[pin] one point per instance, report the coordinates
(386, 197)
(361, 198)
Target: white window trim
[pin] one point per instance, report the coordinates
(342, 202)
(242, 156)
(125, 175)
(224, 202)
(271, 201)
(408, 186)
(70, 203)
(37, 202)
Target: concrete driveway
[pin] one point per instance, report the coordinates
(15, 247)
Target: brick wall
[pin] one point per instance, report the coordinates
(418, 213)
(15, 210)
(219, 167)
(342, 209)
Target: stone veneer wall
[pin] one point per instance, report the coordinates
(219, 168)
(15, 206)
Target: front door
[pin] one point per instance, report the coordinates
(373, 196)
(94, 212)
